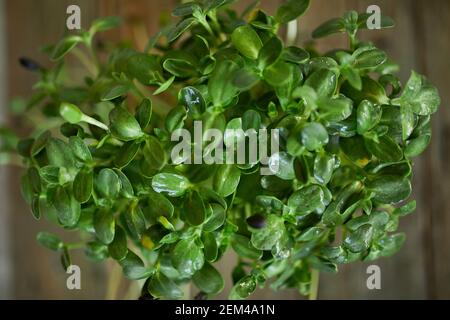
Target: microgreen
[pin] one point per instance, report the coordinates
(101, 162)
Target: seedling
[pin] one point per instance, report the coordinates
(99, 163)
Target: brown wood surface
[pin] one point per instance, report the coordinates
(419, 41)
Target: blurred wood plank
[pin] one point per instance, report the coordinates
(6, 266)
(37, 271)
(431, 25)
(405, 274)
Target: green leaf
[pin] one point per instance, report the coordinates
(270, 52)
(180, 67)
(36, 207)
(385, 149)
(270, 204)
(107, 184)
(96, 251)
(307, 199)
(244, 247)
(65, 46)
(59, 154)
(187, 257)
(269, 236)
(210, 247)
(243, 288)
(134, 268)
(69, 209)
(246, 41)
(185, 9)
(123, 125)
(416, 146)
(291, 10)
(408, 122)
(391, 244)
(390, 188)
(419, 95)
(295, 55)
(83, 185)
(244, 79)
(276, 73)
(49, 241)
(26, 189)
(179, 29)
(251, 119)
(368, 116)
(371, 90)
(104, 225)
(70, 112)
(355, 149)
(335, 25)
(208, 280)
(217, 219)
(118, 248)
(115, 92)
(312, 234)
(406, 209)
(313, 136)
(194, 211)
(39, 144)
(336, 109)
(220, 84)
(161, 286)
(104, 24)
(126, 189)
(79, 149)
(159, 205)
(323, 81)
(50, 174)
(35, 179)
(164, 86)
(135, 221)
(324, 165)
(145, 68)
(360, 239)
(127, 153)
(365, 58)
(353, 77)
(173, 185)
(24, 147)
(154, 154)
(192, 99)
(282, 165)
(226, 180)
(144, 113)
(175, 119)
(215, 4)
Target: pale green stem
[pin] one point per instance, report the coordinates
(314, 287)
(83, 58)
(113, 282)
(291, 32)
(94, 122)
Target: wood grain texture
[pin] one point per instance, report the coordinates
(37, 271)
(420, 41)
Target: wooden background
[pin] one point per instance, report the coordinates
(421, 270)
